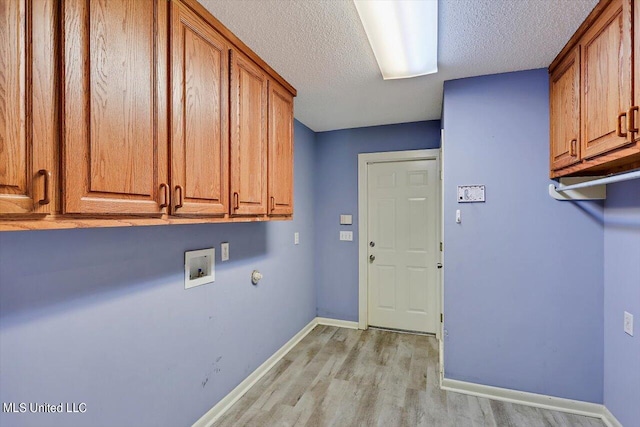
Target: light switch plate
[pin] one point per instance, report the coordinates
(346, 219)
(628, 323)
(296, 238)
(346, 236)
(224, 251)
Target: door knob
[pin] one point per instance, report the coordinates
(372, 258)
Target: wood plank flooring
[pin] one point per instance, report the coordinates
(345, 377)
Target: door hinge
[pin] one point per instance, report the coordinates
(440, 246)
(441, 318)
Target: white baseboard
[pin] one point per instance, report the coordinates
(609, 419)
(577, 407)
(335, 322)
(227, 402)
(507, 395)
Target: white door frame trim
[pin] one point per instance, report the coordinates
(364, 159)
(442, 249)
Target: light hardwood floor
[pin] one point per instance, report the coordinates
(345, 377)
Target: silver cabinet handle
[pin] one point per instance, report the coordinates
(372, 258)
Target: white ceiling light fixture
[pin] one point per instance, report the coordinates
(403, 35)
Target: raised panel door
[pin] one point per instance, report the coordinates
(280, 150)
(248, 147)
(565, 112)
(606, 86)
(28, 171)
(402, 255)
(200, 143)
(115, 107)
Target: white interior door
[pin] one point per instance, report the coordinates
(403, 244)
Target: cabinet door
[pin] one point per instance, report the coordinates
(200, 143)
(634, 112)
(28, 172)
(280, 150)
(565, 112)
(606, 71)
(115, 107)
(248, 137)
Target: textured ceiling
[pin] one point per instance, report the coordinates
(320, 47)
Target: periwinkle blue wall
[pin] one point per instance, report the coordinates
(101, 316)
(622, 293)
(523, 272)
(336, 193)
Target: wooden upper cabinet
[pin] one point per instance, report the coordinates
(28, 129)
(280, 179)
(118, 112)
(115, 107)
(634, 111)
(607, 86)
(248, 118)
(200, 143)
(565, 112)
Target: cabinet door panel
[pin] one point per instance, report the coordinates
(200, 124)
(606, 69)
(565, 112)
(115, 138)
(27, 107)
(248, 137)
(280, 150)
(636, 73)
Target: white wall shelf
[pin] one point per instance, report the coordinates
(587, 188)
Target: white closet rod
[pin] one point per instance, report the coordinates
(607, 180)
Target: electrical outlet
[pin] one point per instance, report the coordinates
(296, 238)
(628, 323)
(224, 251)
